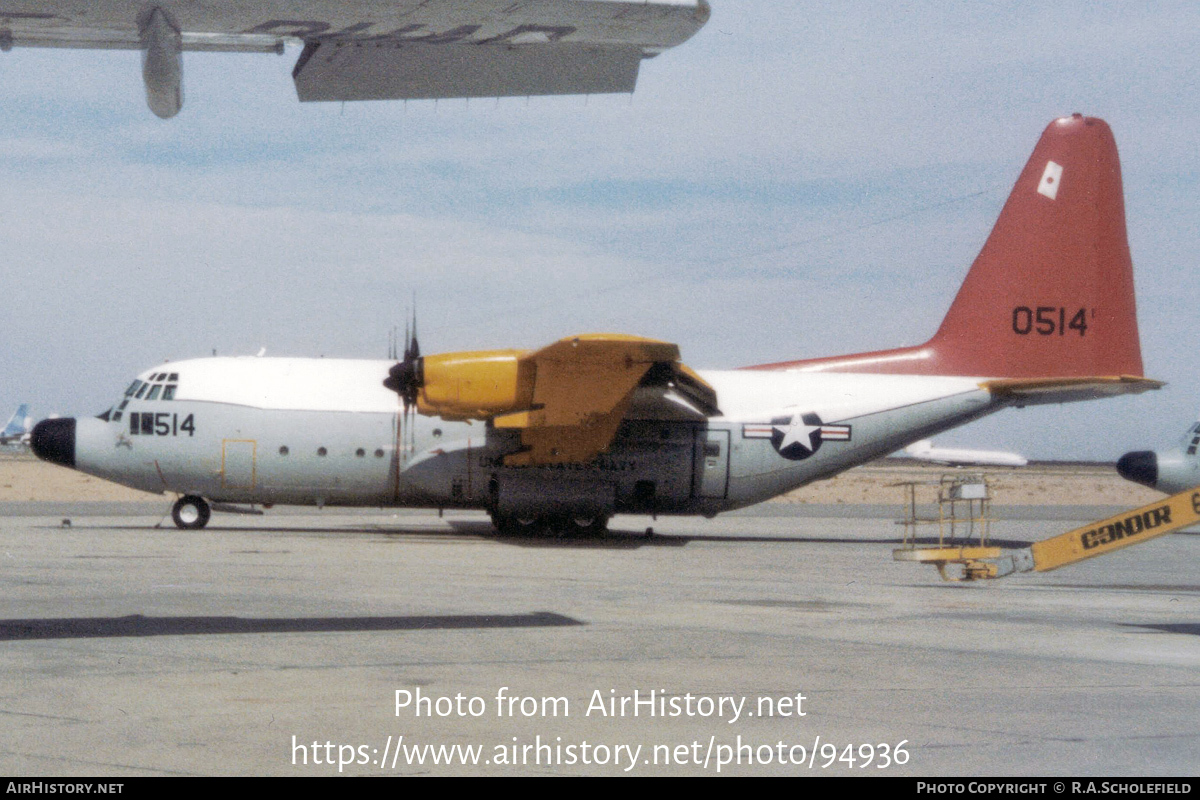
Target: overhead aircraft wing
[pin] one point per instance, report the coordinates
(489, 49)
(376, 50)
(331, 70)
(583, 388)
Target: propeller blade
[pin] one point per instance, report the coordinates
(407, 377)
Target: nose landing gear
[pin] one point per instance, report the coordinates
(191, 512)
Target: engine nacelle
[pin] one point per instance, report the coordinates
(162, 63)
(475, 385)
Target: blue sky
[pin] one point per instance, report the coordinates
(795, 181)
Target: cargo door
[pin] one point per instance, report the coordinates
(712, 463)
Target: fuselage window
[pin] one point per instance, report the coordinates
(154, 390)
(321, 451)
(379, 453)
(283, 451)
(360, 452)
(169, 392)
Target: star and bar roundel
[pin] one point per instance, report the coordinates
(798, 436)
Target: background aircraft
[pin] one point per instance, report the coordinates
(592, 425)
(1172, 470)
(16, 430)
(372, 50)
(925, 451)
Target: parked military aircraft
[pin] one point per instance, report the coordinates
(954, 456)
(373, 50)
(1172, 471)
(599, 424)
(16, 430)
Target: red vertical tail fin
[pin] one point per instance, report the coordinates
(1051, 293)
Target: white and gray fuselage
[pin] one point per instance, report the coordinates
(327, 432)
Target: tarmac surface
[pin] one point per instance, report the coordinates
(780, 640)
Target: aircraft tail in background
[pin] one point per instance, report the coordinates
(17, 428)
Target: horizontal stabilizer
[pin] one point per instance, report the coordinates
(369, 70)
(1032, 391)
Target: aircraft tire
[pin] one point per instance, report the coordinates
(191, 512)
(518, 526)
(560, 525)
(585, 524)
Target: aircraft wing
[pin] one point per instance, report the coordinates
(376, 50)
(585, 385)
(497, 49)
(330, 70)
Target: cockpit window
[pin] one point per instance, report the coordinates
(173, 377)
(133, 387)
(154, 390)
(141, 391)
(169, 392)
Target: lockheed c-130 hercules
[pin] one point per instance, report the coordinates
(601, 424)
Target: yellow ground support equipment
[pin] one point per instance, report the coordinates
(1096, 539)
(963, 504)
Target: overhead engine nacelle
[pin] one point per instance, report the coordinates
(162, 63)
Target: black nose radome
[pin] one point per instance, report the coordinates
(1140, 466)
(54, 440)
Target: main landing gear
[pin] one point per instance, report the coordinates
(564, 525)
(191, 512)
